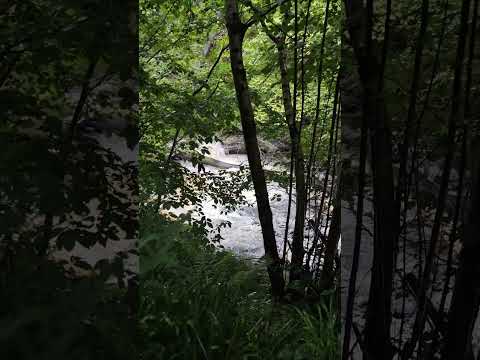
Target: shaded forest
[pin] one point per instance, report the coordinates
(240, 179)
(410, 140)
(68, 218)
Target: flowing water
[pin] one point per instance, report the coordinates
(244, 237)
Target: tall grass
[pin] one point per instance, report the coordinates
(200, 303)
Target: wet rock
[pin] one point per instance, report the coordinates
(234, 144)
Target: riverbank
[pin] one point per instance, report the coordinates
(201, 303)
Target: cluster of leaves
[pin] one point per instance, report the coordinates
(185, 70)
(175, 89)
(168, 187)
(48, 168)
(261, 61)
(433, 104)
(60, 71)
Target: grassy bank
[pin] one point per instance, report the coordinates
(199, 303)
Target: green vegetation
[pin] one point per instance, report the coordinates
(61, 70)
(198, 301)
(201, 303)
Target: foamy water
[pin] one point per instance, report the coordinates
(244, 237)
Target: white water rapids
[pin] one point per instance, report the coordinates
(244, 237)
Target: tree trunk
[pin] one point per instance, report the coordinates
(319, 88)
(378, 319)
(379, 305)
(331, 145)
(328, 273)
(297, 243)
(236, 31)
(466, 294)
(357, 241)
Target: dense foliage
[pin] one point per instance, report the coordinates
(59, 188)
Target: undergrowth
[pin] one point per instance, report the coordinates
(201, 303)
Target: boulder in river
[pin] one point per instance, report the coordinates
(234, 144)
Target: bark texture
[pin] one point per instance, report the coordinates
(378, 319)
(236, 31)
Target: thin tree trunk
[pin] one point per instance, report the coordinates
(81, 102)
(357, 243)
(236, 31)
(297, 242)
(319, 90)
(377, 337)
(165, 165)
(289, 106)
(327, 274)
(318, 220)
(403, 177)
(412, 111)
(466, 294)
(378, 318)
(453, 234)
